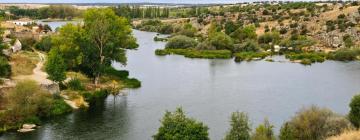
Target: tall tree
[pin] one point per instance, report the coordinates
(240, 127)
(176, 126)
(55, 66)
(106, 36)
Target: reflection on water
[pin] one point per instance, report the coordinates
(208, 90)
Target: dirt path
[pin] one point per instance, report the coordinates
(38, 75)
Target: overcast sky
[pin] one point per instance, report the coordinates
(124, 1)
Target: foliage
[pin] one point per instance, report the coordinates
(192, 53)
(241, 34)
(269, 37)
(354, 115)
(5, 68)
(55, 66)
(307, 58)
(287, 132)
(27, 102)
(221, 41)
(315, 123)
(176, 126)
(248, 56)
(181, 42)
(240, 127)
(264, 131)
(345, 54)
(75, 84)
(44, 44)
(247, 46)
(59, 107)
(95, 96)
(123, 76)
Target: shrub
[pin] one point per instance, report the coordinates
(132, 83)
(44, 44)
(315, 124)
(96, 96)
(307, 58)
(240, 127)
(221, 41)
(59, 107)
(75, 84)
(345, 54)
(241, 34)
(176, 126)
(247, 56)
(248, 46)
(5, 68)
(181, 42)
(354, 115)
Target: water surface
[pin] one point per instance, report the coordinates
(208, 90)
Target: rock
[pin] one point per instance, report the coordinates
(28, 126)
(25, 130)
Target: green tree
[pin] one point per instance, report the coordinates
(106, 36)
(55, 66)
(354, 115)
(240, 127)
(264, 131)
(287, 132)
(176, 126)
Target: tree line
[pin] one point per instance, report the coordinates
(52, 11)
(312, 123)
(140, 12)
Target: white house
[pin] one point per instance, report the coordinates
(23, 21)
(17, 46)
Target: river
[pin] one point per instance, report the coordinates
(208, 90)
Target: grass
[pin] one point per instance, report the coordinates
(23, 63)
(248, 56)
(192, 53)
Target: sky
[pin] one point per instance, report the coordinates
(125, 1)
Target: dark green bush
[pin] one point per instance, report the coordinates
(345, 54)
(5, 68)
(59, 107)
(75, 84)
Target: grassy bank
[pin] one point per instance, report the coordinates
(192, 53)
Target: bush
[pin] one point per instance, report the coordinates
(248, 46)
(247, 56)
(221, 41)
(315, 124)
(354, 115)
(181, 42)
(241, 34)
(345, 54)
(5, 68)
(132, 83)
(240, 127)
(176, 126)
(59, 107)
(44, 44)
(75, 84)
(307, 58)
(96, 96)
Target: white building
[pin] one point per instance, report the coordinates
(17, 46)
(23, 21)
